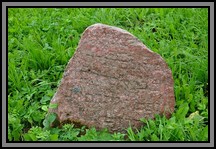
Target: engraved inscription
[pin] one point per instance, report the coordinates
(112, 76)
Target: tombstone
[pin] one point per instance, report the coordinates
(112, 81)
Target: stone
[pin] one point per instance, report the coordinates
(112, 81)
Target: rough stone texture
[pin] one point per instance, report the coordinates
(112, 81)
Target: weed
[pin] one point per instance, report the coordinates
(42, 40)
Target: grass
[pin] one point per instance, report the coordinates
(42, 40)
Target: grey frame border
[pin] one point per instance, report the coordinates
(211, 68)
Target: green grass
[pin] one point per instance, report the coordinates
(41, 41)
